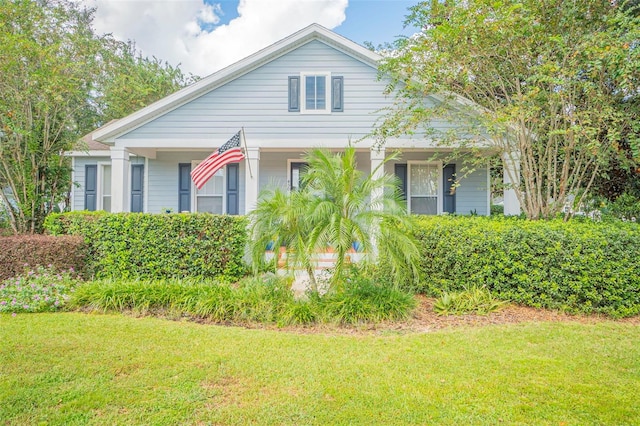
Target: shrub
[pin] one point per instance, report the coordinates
(361, 301)
(267, 300)
(577, 266)
(252, 299)
(30, 251)
(139, 245)
(625, 207)
(39, 290)
(472, 300)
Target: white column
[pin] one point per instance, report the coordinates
(251, 172)
(377, 158)
(377, 171)
(511, 178)
(120, 192)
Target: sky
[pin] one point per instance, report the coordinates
(204, 36)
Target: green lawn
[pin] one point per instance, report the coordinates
(75, 368)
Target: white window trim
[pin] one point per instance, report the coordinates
(303, 92)
(439, 167)
(100, 184)
(194, 190)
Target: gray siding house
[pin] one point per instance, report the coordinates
(311, 89)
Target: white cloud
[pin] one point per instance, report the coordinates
(172, 30)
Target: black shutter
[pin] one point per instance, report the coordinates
(184, 187)
(90, 186)
(337, 92)
(401, 173)
(294, 94)
(137, 183)
(449, 190)
(233, 189)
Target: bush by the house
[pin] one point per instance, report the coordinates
(30, 251)
(139, 245)
(43, 289)
(576, 266)
(257, 299)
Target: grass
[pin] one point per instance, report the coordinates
(72, 368)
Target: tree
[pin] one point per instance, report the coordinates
(48, 64)
(133, 81)
(337, 206)
(58, 81)
(542, 82)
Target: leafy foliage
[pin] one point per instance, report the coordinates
(134, 81)
(472, 300)
(552, 86)
(265, 299)
(32, 251)
(579, 266)
(132, 245)
(338, 206)
(361, 300)
(41, 290)
(59, 80)
(49, 63)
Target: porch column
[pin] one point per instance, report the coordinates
(251, 171)
(377, 158)
(511, 177)
(377, 171)
(120, 166)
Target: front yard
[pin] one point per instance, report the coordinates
(72, 368)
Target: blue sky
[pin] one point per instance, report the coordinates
(204, 36)
(374, 21)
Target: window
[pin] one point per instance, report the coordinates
(104, 183)
(210, 198)
(424, 192)
(315, 92)
(321, 93)
(296, 171)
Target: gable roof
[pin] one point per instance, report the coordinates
(110, 131)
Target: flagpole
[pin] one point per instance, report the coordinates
(244, 140)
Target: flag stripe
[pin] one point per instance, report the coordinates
(230, 152)
(215, 163)
(213, 160)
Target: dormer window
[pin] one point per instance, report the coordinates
(321, 93)
(315, 89)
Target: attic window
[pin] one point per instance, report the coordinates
(321, 93)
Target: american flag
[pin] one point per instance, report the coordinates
(230, 152)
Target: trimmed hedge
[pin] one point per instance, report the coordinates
(141, 245)
(26, 252)
(576, 266)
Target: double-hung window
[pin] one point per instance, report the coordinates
(210, 198)
(315, 92)
(424, 192)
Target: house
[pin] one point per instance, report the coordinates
(312, 89)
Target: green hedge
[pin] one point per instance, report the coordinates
(576, 266)
(140, 245)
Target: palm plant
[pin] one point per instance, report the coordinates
(337, 207)
(280, 220)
